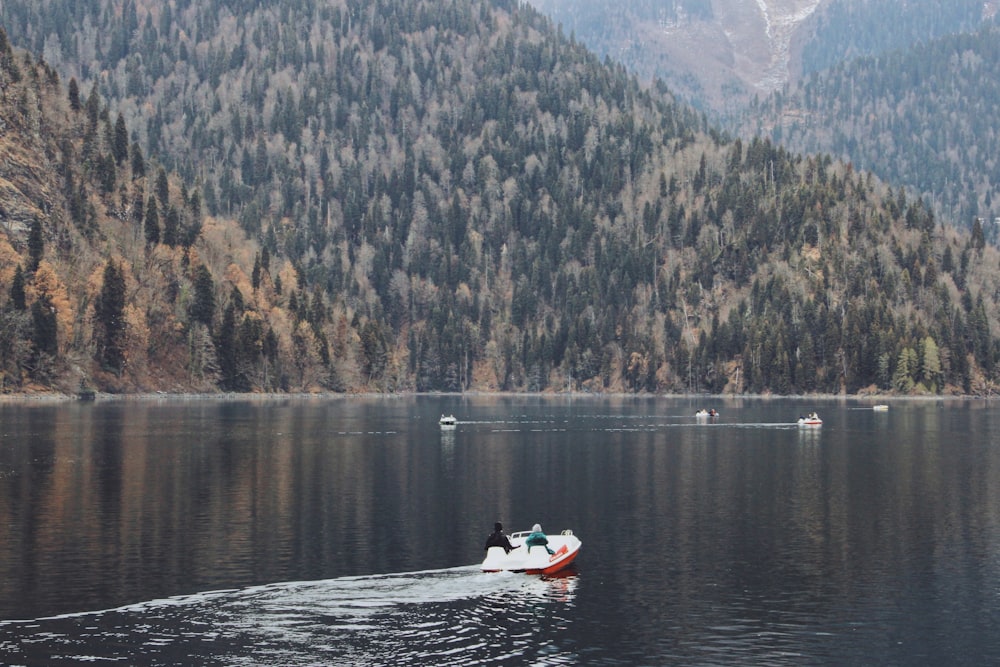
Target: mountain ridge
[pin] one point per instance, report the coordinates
(719, 54)
(921, 117)
(434, 195)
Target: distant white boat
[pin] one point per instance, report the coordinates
(448, 421)
(705, 414)
(812, 419)
(881, 407)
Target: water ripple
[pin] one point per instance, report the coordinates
(454, 616)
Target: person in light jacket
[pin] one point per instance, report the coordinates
(537, 539)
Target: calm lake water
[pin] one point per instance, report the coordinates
(336, 531)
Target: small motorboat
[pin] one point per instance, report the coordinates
(706, 414)
(447, 421)
(536, 559)
(812, 419)
(881, 407)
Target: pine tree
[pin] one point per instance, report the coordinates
(226, 352)
(109, 312)
(930, 370)
(74, 95)
(374, 348)
(162, 186)
(171, 227)
(36, 245)
(106, 173)
(906, 365)
(138, 161)
(120, 144)
(93, 106)
(203, 306)
(18, 300)
(255, 276)
(151, 223)
(7, 63)
(44, 334)
(978, 240)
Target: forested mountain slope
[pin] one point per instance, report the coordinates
(925, 118)
(437, 194)
(718, 54)
(844, 30)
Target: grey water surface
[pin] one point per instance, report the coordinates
(339, 531)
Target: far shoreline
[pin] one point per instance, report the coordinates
(101, 397)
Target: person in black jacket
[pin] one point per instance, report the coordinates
(498, 539)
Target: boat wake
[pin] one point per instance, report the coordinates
(613, 423)
(430, 617)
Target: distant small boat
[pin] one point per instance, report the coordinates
(881, 407)
(705, 414)
(812, 419)
(448, 421)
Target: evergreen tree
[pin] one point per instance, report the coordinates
(884, 371)
(374, 348)
(255, 276)
(260, 162)
(978, 240)
(109, 311)
(18, 300)
(44, 334)
(7, 63)
(74, 95)
(106, 173)
(93, 107)
(906, 366)
(36, 245)
(203, 305)
(226, 351)
(151, 223)
(930, 371)
(194, 206)
(162, 186)
(171, 226)
(119, 146)
(138, 161)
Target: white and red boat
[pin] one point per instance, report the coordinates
(535, 559)
(812, 419)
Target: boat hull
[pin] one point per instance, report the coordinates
(536, 559)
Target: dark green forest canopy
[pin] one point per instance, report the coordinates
(845, 30)
(463, 198)
(924, 118)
